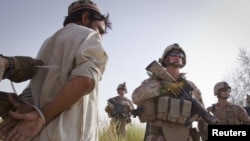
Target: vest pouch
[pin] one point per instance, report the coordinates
(162, 107)
(149, 111)
(185, 111)
(174, 110)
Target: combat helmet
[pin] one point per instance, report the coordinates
(218, 86)
(122, 86)
(169, 48)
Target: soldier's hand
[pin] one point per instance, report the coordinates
(138, 111)
(211, 119)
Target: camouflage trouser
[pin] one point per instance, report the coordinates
(118, 127)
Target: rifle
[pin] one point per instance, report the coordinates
(119, 111)
(137, 112)
(157, 70)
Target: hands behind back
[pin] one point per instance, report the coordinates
(16, 112)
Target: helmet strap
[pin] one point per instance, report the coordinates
(167, 63)
(219, 96)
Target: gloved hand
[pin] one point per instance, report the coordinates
(138, 111)
(21, 68)
(174, 88)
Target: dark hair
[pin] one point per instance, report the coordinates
(93, 15)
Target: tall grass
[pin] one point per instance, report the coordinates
(135, 132)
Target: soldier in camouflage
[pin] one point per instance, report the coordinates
(166, 113)
(119, 110)
(247, 107)
(247, 100)
(227, 112)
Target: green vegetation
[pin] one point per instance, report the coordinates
(135, 132)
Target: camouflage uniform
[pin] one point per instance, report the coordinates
(119, 110)
(228, 114)
(161, 130)
(247, 107)
(247, 100)
(167, 121)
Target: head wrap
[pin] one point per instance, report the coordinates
(82, 4)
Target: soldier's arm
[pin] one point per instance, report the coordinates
(109, 107)
(245, 119)
(148, 89)
(18, 68)
(196, 93)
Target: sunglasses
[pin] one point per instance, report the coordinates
(176, 53)
(225, 90)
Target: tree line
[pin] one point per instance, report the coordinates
(239, 78)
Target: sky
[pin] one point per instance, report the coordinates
(210, 31)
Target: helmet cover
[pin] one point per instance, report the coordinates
(220, 85)
(168, 49)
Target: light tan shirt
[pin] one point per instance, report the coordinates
(72, 51)
(230, 114)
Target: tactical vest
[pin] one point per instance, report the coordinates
(227, 115)
(166, 108)
(173, 109)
